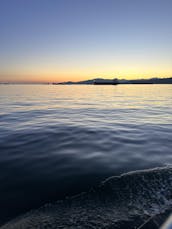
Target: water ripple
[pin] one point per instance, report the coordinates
(57, 141)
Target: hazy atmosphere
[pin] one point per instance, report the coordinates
(46, 41)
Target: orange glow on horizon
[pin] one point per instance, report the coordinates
(63, 77)
(49, 75)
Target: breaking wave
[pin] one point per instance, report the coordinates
(125, 201)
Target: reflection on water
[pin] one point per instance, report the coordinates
(61, 140)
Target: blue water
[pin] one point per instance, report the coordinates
(57, 141)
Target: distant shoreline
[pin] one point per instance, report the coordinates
(123, 81)
(91, 82)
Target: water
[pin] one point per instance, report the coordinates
(57, 141)
(126, 201)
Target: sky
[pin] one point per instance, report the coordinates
(64, 40)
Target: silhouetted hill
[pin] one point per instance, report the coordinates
(79, 82)
(124, 81)
(152, 81)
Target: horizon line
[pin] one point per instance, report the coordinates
(50, 82)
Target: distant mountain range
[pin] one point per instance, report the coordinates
(124, 81)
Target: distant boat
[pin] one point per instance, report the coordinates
(105, 82)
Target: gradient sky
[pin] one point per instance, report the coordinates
(59, 40)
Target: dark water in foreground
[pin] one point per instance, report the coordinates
(57, 141)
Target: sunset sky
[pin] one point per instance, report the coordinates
(61, 40)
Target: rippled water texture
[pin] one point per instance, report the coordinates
(61, 140)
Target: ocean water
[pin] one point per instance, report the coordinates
(58, 141)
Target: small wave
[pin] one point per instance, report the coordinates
(125, 201)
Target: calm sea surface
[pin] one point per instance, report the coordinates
(57, 141)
